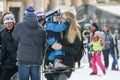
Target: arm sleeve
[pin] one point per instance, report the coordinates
(44, 45)
(16, 33)
(56, 27)
(3, 51)
(73, 49)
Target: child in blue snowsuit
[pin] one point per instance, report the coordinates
(54, 28)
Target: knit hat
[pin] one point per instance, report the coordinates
(40, 15)
(29, 10)
(9, 18)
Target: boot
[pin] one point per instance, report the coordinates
(49, 66)
(114, 68)
(93, 73)
(104, 72)
(58, 64)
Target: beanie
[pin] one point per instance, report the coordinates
(40, 15)
(29, 10)
(9, 18)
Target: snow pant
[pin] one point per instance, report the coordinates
(55, 53)
(8, 73)
(96, 58)
(106, 57)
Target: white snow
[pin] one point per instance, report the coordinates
(83, 73)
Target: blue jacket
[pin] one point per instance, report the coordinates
(53, 31)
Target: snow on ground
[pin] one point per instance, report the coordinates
(83, 74)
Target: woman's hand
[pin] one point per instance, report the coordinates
(57, 46)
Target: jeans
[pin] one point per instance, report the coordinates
(112, 52)
(26, 71)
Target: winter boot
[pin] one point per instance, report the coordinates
(104, 72)
(114, 68)
(58, 64)
(49, 66)
(93, 73)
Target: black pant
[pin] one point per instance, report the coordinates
(0, 71)
(106, 57)
(49, 76)
(61, 76)
(8, 73)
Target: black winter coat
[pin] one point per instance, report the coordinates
(8, 50)
(70, 52)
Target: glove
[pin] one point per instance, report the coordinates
(68, 22)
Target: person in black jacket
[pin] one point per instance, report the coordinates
(8, 49)
(70, 44)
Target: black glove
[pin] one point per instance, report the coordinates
(68, 22)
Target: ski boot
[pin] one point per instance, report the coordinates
(58, 65)
(93, 73)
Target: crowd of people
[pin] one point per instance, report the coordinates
(54, 40)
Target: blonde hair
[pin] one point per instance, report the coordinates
(74, 28)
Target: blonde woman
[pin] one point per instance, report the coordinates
(69, 44)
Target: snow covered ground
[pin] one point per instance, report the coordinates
(83, 73)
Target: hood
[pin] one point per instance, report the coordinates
(31, 20)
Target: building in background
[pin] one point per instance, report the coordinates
(92, 8)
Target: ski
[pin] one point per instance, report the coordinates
(60, 71)
(99, 75)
